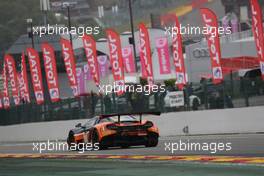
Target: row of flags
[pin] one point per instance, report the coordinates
(121, 60)
(210, 20)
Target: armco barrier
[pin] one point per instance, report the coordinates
(239, 120)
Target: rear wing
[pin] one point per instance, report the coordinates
(123, 114)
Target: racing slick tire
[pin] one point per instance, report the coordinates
(72, 145)
(95, 139)
(70, 140)
(153, 140)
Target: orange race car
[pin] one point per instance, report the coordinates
(116, 130)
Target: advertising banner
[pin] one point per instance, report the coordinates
(6, 100)
(164, 55)
(91, 56)
(145, 54)
(257, 28)
(80, 80)
(86, 73)
(1, 105)
(103, 64)
(210, 21)
(116, 59)
(51, 71)
(36, 75)
(69, 61)
(177, 51)
(128, 59)
(12, 75)
(1, 95)
(175, 99)
(24, 90)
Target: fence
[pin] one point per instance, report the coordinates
(232, 93)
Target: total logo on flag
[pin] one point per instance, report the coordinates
(54, 93)
(180, 78)
(6, 102)
(217, 73)
(262, 67)
(16, 100)
(120, 82)
(75, 90)
(39, 95)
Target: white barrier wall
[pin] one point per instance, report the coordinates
(37, 131)
(240, 120)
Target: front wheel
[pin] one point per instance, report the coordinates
(70, 140)
(95, 141)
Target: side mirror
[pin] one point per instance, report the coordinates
(78, 125)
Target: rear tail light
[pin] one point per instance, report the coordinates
(112, 127)
(148, 124)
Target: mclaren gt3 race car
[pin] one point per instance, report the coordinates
(116, 130)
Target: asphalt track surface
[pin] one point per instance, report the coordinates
(249, 145)
(245, 159)
(55, 167)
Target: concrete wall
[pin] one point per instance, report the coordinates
(240, 120)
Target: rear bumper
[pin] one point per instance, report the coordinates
(117, 140)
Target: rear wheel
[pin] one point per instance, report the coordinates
(95, 141)
(153, 140)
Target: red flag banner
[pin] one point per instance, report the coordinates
(69, 61)
(145, 53)
(178, 58)
(36, 75)
(257, 28)
(51, 71)
(164, 55)
(116, 59)
(6, 100)
(12, 75)
(1, 97)
(24, 80)
(210, 22)
(91, 56)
